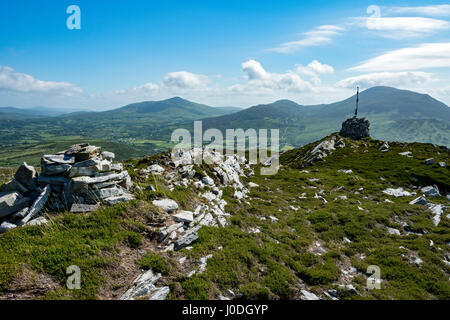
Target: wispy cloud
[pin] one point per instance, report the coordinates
(318, 36)
(396, 79)
(424, 56)
(11, 80)
(185, 80)
(433, 10)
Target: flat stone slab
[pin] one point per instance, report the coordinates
(184, 216)
(186, 240)
(399, 192)
(37, 205)
(58, 158)
(79, 208)
(53, 180)
(26, 175)
(10, 202)
(431, 191)
(54, 169)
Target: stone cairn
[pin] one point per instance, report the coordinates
(77, 179)
(355, 128)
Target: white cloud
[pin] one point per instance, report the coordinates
(314, 68)
(395, 79)
(185, 80)
(433, 10)
(319, 36)
(402, 27)
(11, 80)
(259, 80)
(148, 88)
(425, 56)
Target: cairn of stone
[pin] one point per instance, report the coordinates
(77, 179)
(355, 128)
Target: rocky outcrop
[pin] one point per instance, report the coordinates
(355, 128)
(77, 179)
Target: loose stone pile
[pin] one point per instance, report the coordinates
(355, 128)
(79, 179)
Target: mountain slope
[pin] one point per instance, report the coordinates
(394, 114)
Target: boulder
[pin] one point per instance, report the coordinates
(10, 202)
(184, 216)
(117, 199)
(431, 191)
(167, 205)
(108, 155)
(155, 169)
(27, 176)
(355, 128)
(393, 231)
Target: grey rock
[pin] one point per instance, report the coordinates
(437, 210)
(27, 175)
(19, 215)
(37, 205)
(186, 240)
(160, 293)
(393, 231)
(53, 180)
(207, 180)
(82, 151)
(399, 192)
(442, 164)
(78, 208)
(163, 232)
(50, 170)
(384, 147)
(431, 191)
(57, 159)
(37, 222)
(109, 192)
(5, 226)
(167, 205)
(184, 216)
(14, 185)
(143, 285)
(355, 128)
(108, 155)
(406, 154)
(420, 200)
(10, 202)
(115, 200)
(306, 295)
(429, 161)
(81, 184)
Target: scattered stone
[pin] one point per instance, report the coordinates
(399, 192)
(37, 205)
(51, 170)
(37, 222)
(393, 231)
(108, 155)
(384, 147)
(306, 295)
(429, 161)
(431, 191)
(143, 284)
(50, 159)
(160, 293)
(115, 200)
(155, 169)
(438, 211)
(420, 200)
(167, 205)
(5, 226)
(78, 208)
(349, 171)
(186, 240)
(442, 164)
(184, 216)
(406, 154)
(207, 180)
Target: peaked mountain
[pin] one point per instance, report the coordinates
(399, 115)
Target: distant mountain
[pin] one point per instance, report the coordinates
(13, 112)
(394, 114)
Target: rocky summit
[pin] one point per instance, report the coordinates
(355, 128)
(76, 179)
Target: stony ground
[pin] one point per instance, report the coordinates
(308, 232)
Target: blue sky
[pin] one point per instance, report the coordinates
(219, 52)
